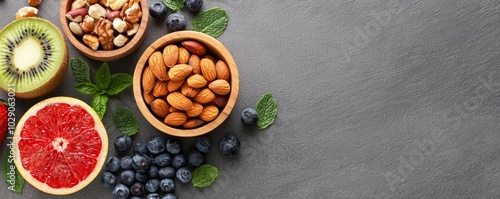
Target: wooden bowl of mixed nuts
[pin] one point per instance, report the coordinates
(104, 30)
(186, 83)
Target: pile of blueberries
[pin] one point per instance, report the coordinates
(154, 167)
(175, 21)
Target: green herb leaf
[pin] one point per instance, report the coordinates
(14, 179)
(212, 22)
(103, 77)
(88, 88)
(174, 5)
(99, 102)
(119, 82)
(81, 71)
(126, 122)
(266, 110)
(204, 175)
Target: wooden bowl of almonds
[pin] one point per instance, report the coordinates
(186, 83)
(104, 31)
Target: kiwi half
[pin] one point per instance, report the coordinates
(33, 57)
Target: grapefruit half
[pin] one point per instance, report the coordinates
(61, 145)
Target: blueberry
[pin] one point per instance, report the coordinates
(137, 189)
(108, 179)
(162, 160)
(249, 116)
(141, 163)
(169, 196)
(167, 185)
(173, 146)
(141, 177)
(156, 146)
(194, 5)
(178, 161)
(166, 172)
(113, 164)
(123, 143)
(153, 196)
(183, 175)
(141, 148)
(121, 191)
(229, 145)
(127, 177)
(176, 21)
(158, 10)
(152, 185)
(195, 158)
(126, 162)
(135, 197)
(153, 171)
(203, 144)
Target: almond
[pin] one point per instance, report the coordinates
(183, 56)
(148, 97)
(180, 71)
(220, 100)
(209, 113)
(222, 70)
(160, 108)
(196, 81)
(173, 109)
(170, 55)
(160, 89)
(179, 101)
(208, 69)
(189, 91)
(157, 66)
(175, 119)
(210, 57)
(192, 123)
(148, 79)
(204, 96)
(194, 61)
(220, 87)
(174, 85)
(195, 111)
(194, 47)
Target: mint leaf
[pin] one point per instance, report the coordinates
(119, 82)
(102, 76)
(204, 175)
(212, 22)
(99, 102)
(14, 179)
(266, 110)
(87, 88)
(81, 71)
(174, 5)
(126, 122)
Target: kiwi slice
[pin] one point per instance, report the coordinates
(33, 57)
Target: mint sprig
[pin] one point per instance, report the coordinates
(204, 175)
(174, 5)
(212, 22)
(14, 179)
(266, 110)
(125, 121)
(105, 84)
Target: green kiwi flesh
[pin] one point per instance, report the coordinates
(32, 53)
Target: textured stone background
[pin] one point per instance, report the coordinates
(377, 99)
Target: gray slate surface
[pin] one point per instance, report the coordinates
(377, 99)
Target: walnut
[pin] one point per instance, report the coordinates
(87, 24)
(104, 31)
(34, 3)
(91, 40)
(127, 6)
(133, 14)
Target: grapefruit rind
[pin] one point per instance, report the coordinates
(98, 126)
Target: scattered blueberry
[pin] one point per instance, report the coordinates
(203, 144)
(173, 146)
(166, 172)
(141, 148)
(169, 196)
(178, 161)
(123, 142)
(183, 175)
(141, 163)
(194, 5)
(176, 21)
(158, 10)
(229, 145)
(141, 177)
(153, 171)
(113, 164)
(126, 162)
(156, 146)
(162, 160)
(167, 185)
(152, 185)
(108, 179)
(137, 189)
(121, 191)
(153, 196)
(195, 158)
(249, 116)
(127, 177)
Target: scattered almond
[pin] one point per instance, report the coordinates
(209, 113)
(175, 119)
(170, 55)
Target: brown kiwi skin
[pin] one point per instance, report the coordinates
(54, 82)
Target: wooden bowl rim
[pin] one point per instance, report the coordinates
(105, 55)
(215, 48)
